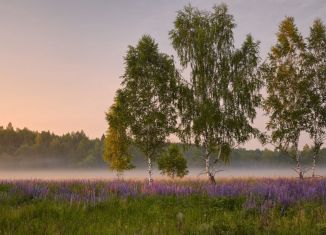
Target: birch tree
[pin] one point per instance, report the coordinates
(286, 84)
(149, 84)
(218, 102)
(116, 149)
(316, 72)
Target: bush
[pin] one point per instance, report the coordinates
(172, 163)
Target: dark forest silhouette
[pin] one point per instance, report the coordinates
(21, 148)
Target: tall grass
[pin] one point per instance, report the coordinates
(238, 206)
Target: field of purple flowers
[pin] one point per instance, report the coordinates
(166, 207)
(282, 191)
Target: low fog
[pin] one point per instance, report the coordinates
(141, 173)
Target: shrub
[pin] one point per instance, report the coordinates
(172, 163)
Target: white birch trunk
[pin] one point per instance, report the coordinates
(298, 160)
(207, 164)
(313, 164)
(150, 179)
(314, 157)
(209, 174)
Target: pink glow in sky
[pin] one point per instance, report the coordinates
(60, 61)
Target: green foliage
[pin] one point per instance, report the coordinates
(295, 75)
(173, 163)
(62, 152)
(149, 86)
(116, 152)
(34, 149)
(286, 86)
(117, 142)
(157, 215)
(149, 91)
(315, 66)
(217, 105)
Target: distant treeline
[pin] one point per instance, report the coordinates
(25, 148)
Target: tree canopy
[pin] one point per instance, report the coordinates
(117, 143)
(315, 67)
(287, 89)
(149, 86)
(24, 147)
(172, 163)
(223, 91)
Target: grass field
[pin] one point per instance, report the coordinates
(237, 206)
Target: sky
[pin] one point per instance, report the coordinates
(61, 61)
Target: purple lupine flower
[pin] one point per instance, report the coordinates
(263, 192)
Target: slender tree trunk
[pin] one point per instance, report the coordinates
(209, 174)
(150, 179)
(314, 164)
(297, 158)
(207, 165)
(119, 175)
(315, 154)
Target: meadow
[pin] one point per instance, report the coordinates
(232, 206)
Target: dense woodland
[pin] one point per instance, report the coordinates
(24, 148)
(21, 148)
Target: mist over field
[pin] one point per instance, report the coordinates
(243, 163)
(26, 154)
(141, 174)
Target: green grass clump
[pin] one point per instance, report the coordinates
(158, 215)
